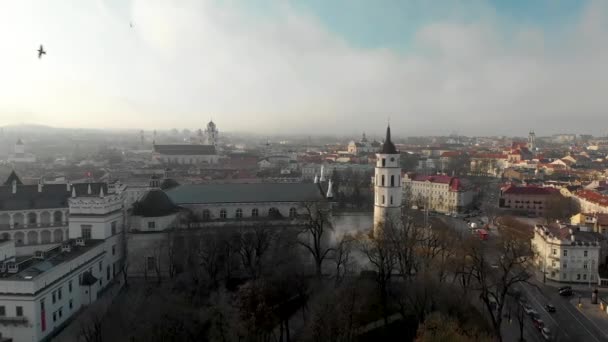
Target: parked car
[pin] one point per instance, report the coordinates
(546, 334)
(538, 323)
(565, 292)
(528, 310)
(565, 288)
(550, 308)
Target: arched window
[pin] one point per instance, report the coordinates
(223, 213)
(57, 217)
(292, 212)
(239, 213)
(274, 212)
(32, 218)
(392, 180)
(382, 180)
(206, 215)
(254, 212)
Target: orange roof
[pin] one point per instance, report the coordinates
(593, 197)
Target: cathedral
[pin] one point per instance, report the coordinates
(203, 152)
(387, 185)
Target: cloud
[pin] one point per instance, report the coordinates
(185, 61)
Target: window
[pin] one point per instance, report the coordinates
(584, 277)
(565, 252)
(113, 249)
(151, 225)
(554, 251)
(383, 163)
(70, 286)
(86, 231)
(565, 265)
(2, 311)
(60, 311)
(383, 199)
(392, 180)
(71, 304)
(239, 213)
(59, 293)
(223, 214)
(578, 276)
(54, 298)
(553, 263)
(585, 265)
(206, 215)
(54, 316)
(100, 265)
(292, 212)
(19, 311)
(108, 272)
(151, 263)
(114, 228)
(391, 199)
(382, 180)
(585, 253)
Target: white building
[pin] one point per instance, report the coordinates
(444, 194)
(186, 154)
(387, 184)
(363, 146)
(19, 154)
(566, 254)
(40, 293)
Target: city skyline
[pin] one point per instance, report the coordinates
(473, 67)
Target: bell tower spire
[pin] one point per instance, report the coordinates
(387, 185)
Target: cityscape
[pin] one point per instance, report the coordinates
(291, 178)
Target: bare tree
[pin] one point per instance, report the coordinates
(315, 234)
(495, 283)
(252, 246)
(381, 256)
(91, 331)
(342, 257)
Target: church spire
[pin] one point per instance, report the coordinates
(388, 147)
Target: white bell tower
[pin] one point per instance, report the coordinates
(387, 185)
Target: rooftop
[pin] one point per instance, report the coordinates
(530, 190)
(185, 149)
(245, 193)
(50, 196)
(154, 203)
(592, 196)
(30, 268)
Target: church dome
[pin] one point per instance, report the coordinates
(155, 203)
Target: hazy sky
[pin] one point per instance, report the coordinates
(433, 67)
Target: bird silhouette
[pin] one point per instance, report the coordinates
(41, 52)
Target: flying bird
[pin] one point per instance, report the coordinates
(41, 52)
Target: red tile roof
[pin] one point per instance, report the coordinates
(454, 182)
(593, 197)
(450, 154)
(490, 156)
(530, 190)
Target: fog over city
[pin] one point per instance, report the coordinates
(433, 68)
(310, 170)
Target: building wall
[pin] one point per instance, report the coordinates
(568, 268)
(189, 159)
(263, 208)
(534, 204)
(160, 223)
(437, 196)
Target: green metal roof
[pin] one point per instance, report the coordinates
(245, 193)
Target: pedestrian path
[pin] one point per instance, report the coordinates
(593, 312)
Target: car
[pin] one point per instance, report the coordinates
(546, 333)
(538, 323)
(550, 308)
(528, 310)
(565, 288)
(565, 292)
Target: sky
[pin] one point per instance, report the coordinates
(312, 66)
